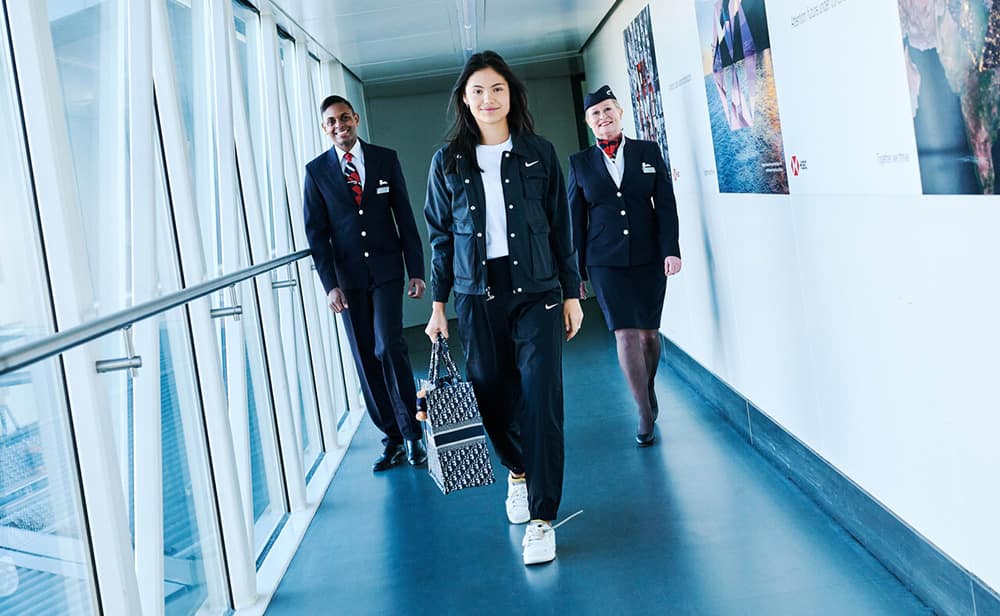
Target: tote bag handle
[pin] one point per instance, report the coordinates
(439, 355)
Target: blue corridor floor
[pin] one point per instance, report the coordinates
(696, 524)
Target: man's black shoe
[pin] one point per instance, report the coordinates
(392, 456)
(416, 455)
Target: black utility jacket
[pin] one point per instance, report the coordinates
(539, 231)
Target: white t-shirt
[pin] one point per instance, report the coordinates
(490, 157)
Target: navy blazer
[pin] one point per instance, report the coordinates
(351, 242)
(621, 227)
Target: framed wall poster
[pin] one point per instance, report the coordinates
(953, 69)
(742, 98)
(644, 82)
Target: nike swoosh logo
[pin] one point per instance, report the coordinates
(547, 307)
(531, 164)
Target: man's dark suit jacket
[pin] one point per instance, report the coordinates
(644, 206)
(355, 245)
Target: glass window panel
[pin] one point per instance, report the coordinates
(196, 81)
(290, 316)
(22, 275)
(44, 555)
(290, 97)
(248, 381)
(248, 44)
(193, 578)
(88, 40)
(311, 109)
(192, 563)
(282, 215)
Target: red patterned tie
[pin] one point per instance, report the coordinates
(610, 146)
(352, 177)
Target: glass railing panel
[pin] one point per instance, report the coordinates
(257, 442)
(266, 496)
(45, 562)
(334, 353)
(191, 540)
(193, 579)
(285, 286)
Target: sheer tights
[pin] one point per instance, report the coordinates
(638, 356)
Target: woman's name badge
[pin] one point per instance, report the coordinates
(647, 168)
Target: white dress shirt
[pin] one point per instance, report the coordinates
(490, 157)
(359, 159)
(616, 167)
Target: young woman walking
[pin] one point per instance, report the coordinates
(500, 236)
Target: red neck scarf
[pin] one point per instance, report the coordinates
(610, 146)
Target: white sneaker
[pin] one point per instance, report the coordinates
(539, 543)
(517, 500)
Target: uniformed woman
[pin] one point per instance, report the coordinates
(500, 236)
(625, 232)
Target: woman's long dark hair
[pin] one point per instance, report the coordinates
(464, 136)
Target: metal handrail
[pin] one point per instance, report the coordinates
(61, 342)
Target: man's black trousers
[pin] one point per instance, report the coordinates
(374, 319)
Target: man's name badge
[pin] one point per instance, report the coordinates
(647, 168)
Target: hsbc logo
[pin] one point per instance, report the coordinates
(798, 165)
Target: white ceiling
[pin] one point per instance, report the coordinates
(390, 40)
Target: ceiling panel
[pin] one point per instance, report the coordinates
(389, 40)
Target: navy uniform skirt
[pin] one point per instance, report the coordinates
(630, 297)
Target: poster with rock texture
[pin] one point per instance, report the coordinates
(953, 68)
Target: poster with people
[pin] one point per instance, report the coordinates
(742, 98)
(644, 82)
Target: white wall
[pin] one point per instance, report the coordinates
(858, 313)
(415, 125)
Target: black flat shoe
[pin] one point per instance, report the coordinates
(415, 453)
(645, 440)
(391, 456)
